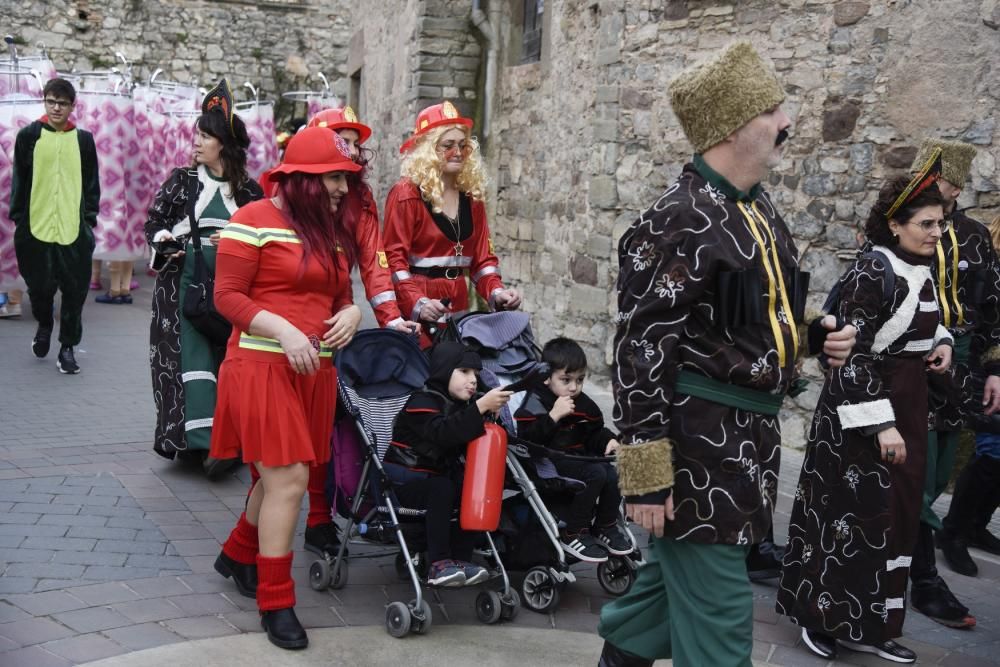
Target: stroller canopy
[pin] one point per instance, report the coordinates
(504, 340)
(381, 363)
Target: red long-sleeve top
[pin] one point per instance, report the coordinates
(414, 240)
(258, 268)
(373, 263)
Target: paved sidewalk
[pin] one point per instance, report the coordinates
(106, 549)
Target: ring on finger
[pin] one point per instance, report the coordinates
(891, 453)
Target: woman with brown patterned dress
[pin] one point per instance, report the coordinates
(857, 506)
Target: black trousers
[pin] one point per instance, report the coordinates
(601, 490)
(440, 496)
(47, 267)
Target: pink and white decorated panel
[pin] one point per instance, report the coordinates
(14, 115)
(110, 119)
(263, 151)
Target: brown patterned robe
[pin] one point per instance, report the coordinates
(854, 519)
(677, 262)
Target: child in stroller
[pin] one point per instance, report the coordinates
(428, 437)
(562, 417)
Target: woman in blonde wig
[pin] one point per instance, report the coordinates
(435, 223)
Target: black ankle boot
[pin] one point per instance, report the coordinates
(955, 549)
(244, 576)
(283, 628)
(764, 561)
(934, 599)
(612, 656)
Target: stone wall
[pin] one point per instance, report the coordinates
(411, 54)
(586, 138)
(277, 45)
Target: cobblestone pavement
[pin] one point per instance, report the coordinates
(106, 548)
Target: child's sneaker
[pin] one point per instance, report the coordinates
(446, 573)
(474, 574)
(583, 546)
(615, 539)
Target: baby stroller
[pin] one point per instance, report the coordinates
(377, 372)
(529, 538)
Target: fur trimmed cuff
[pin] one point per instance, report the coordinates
(991, 358)
(645, 467)
(869, 413)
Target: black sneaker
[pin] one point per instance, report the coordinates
(615, 539)
(889, 650)
(324, 538)
(41, 342)
(584, 546)
(985, 540)
(955, 549)
(66, 362)
(822, 645)
(934, 600)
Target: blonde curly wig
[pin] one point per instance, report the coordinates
(423, 167)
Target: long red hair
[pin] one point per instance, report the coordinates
(306, 206)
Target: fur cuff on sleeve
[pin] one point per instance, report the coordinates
(645, 467)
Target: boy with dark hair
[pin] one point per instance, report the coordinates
(55, 197)
(429, 436)
(560, 416)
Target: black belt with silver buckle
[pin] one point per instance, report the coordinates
(449, 272)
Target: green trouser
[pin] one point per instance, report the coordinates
(690, 602)
(200, 362)
(942, 446)
(48, 267)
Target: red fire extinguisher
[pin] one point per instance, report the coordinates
(482, 492)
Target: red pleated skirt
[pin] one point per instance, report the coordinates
(269, 414)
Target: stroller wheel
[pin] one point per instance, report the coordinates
(319, 574)
(340, 580)
(420, 617)
(539, 591)
(488, 606)
(616, 575)
(397, 619)
(509, 606)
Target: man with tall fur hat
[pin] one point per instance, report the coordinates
(967, 279)
(709, 299)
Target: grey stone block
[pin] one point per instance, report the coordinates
(200, 604)
(17, 585)
(48, 603)
(136, 523)
(33, 656)
(103, 594)
(34, 631)
(57, 543)
(155, 587)
(75, 499)
(69, 520)
(8, 612)
(10, 555)
(90, 558)
(24, 497)
(147, 635)
(102, 533)
(154, 609)
(201, 627)
(125, 547)
(44, 570)
(92, 619)
(104, 573)
(158, 562)
(85, 648)
(41, 508)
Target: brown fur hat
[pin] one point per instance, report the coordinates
(956, 159)
(714, 98)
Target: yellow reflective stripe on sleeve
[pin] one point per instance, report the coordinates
(237, 232)
(278, 235)
(942, 294)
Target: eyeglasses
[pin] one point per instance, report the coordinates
(927, 226)
(462, 148)
(58, 104)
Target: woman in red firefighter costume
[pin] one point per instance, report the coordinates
(321, 533)
(282, 279)
(435, 222)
